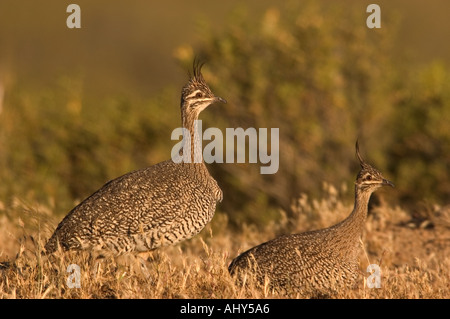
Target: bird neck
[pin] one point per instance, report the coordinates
(359, 213)
(192, 141)
(353, 226)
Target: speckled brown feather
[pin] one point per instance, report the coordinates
(322, 260)
(148, 208)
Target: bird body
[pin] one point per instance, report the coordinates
(148, 208)
(142, 210)
(320, 260)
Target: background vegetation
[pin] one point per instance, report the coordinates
(325, 82)
(314, 71)
(80, 107)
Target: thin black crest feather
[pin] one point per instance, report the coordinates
(197, 70)
(358, 155)
(196, 80)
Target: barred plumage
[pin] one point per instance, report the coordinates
(315, 261)
(152, 207)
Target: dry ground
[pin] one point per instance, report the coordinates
(413, 254)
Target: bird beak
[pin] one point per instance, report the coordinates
(219, 99)
(387, 183)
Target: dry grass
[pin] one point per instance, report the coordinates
(414, 259)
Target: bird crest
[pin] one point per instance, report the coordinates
(369, 175)
(196, 82)
(362, 162)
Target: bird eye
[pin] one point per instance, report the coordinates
(369, 178)
(199, 94)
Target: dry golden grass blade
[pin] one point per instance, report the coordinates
(417, 265)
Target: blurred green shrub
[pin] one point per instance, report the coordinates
(322, 79)
(420, 151)
(60, 145)
(325, 81)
